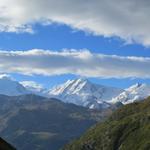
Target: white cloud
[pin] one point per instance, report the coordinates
(32, 86)
(123, 18)
(78, 62)
(6, 76)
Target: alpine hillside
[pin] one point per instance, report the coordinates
(127, 129)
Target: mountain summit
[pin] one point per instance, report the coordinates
(134, 93)
(83, 92)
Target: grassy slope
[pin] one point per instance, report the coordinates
(127, 129)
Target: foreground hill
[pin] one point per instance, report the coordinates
(38, 123)
(127, 129)
(5, 146)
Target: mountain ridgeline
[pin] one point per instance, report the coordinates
(39, 123)
(80, 91)
(128, 128)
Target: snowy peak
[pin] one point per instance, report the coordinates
(71, 87)
(10, 87)
(78, 85)
(135, 86)
(83, 92)
(134, 93)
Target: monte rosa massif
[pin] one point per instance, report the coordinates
(79, 91)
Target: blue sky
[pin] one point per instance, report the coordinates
(76, 39)
(58, 37)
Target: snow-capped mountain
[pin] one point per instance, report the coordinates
(134, 93)
(80, 92)
(10, 87)
(83, 92)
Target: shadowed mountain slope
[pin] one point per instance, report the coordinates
(38, 123)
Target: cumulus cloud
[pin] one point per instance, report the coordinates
(78, 62)
(126, 19)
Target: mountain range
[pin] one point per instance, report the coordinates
(83, 92)
(32, 117)
(80, 91)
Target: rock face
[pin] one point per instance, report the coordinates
(126, 129)
(83, 92)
